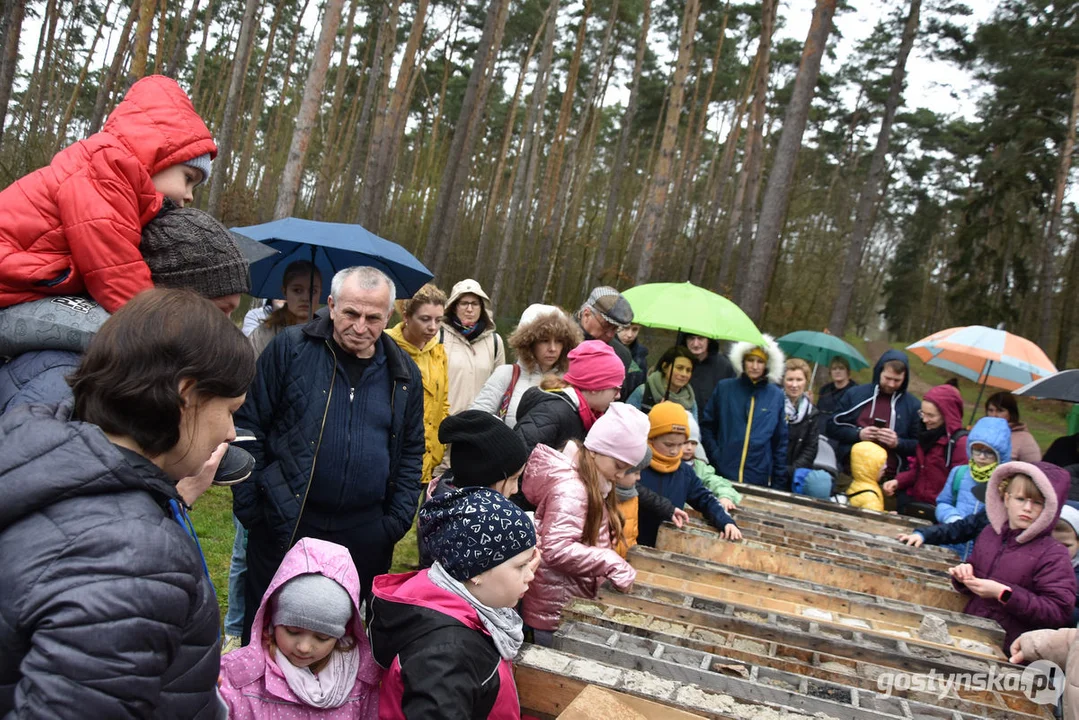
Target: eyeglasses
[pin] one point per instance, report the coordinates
(982, 452)
(469, 304)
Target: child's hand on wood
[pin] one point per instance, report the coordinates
(913, 539)
(680, 517)
(731, 532)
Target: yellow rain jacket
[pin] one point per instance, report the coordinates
(434, 368)
(629, 509)
(866, 460)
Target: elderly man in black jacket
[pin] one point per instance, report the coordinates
(336, 411)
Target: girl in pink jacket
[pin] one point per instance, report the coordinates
(309, 656)
(577, 517)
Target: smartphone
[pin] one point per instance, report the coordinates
(880, 423)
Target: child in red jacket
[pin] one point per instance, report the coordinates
(74, 226)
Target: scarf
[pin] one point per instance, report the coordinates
(505, 625)
(928, 438)
(588, 417)
(658, 385)
(664, 463)
(331, 687)
(795, 414)
(981, 473)
(469, 333)
(624, 494)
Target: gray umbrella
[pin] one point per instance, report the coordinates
(1063, 385)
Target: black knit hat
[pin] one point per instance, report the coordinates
(187, 248)
(471, 530)
(485, 450)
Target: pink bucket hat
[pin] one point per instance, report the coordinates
(621, 433)
(593, 365)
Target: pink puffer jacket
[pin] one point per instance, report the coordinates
(569, 568)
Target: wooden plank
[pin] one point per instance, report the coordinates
(879, 524)
(854, 517)
(770, 559)
(712, 582)
(595, 703)
(820, 665)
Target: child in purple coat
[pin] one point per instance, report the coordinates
(1018, 574)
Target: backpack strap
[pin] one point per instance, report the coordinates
(504, 405)
(958, 481)
(494, 353)
(955, 437)
(442, 336)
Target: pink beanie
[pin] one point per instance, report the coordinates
(621, 433)
(593, 365)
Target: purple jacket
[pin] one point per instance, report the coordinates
(251, 683)
(1034, 565)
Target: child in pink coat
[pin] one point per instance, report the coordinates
(309, 656)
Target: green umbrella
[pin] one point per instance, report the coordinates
(692, 310)
(820, 348)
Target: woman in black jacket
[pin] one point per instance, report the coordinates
(106, 606)
(803, 433)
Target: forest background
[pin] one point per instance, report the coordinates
(545, 146)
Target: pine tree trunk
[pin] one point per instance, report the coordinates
(197, 85)
(1067, 313)
(334, 128)
(12, 30)
(48, 34)
(305, 121)
(243, 168)
(232, 101)
(661, 175)
(837, 325)
(529, 156)
(443, 226)
(142, 39)
(618, 164)
(1045, 285)
(179, 50)
(777, 194)
(61, 133)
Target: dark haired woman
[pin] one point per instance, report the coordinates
(106, 607)
(670, 380)
(302, 285)
(1024, 446)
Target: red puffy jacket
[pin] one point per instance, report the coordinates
(75, 226)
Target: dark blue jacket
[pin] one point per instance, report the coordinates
(680, 487)
(105, 607)
(843, 427)
(735, 403)
(38, 376)
(288, 408)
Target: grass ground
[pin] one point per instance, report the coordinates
(213, 513)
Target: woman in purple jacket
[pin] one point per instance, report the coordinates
(1018, 574)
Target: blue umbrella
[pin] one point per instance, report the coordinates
(331, 247)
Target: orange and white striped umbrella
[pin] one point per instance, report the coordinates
(985, 355)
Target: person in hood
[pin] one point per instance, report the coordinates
(74, 226)
(486, 453)
(577, 515)
(106, 607)
(417, 334)
(941, 447)
(668, 475)
(711, 366)
(867, 462)
(473, 347)
(309, 656)
(988, 445)
(721, 487)
(542, 342)
(1024, 446)
(669, 381)
(1018, 575)
(566, 408)
(743, 428)
(447, 636)
(882, 412)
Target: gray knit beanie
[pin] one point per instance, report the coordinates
(313, 602)
(202, 163)
(187, 248)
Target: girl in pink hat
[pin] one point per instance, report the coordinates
(577, 517)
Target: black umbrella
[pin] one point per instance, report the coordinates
(1063, 385)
